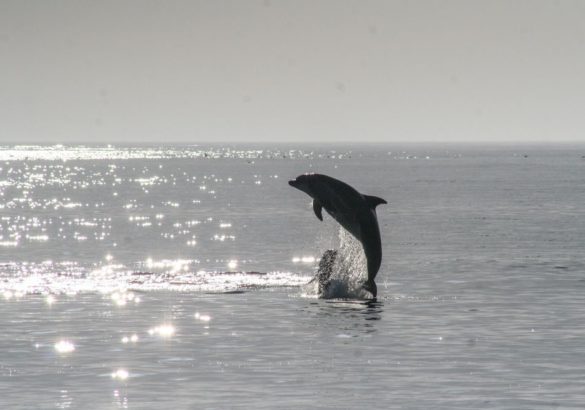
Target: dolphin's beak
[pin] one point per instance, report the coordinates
(293, 183)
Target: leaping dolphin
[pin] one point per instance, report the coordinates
(354, 211)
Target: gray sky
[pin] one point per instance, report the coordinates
(380, 71)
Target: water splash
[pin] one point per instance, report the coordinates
(348, 273)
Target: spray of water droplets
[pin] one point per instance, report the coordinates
(348, 273)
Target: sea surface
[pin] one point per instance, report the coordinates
(151, 277)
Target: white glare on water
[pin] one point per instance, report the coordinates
(92, 241)
(203, 318)
(304, 259)
(120, 374)
(122, 298)
(64, 346)
(133, 339)
(164, 331)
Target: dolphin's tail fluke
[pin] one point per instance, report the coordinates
(371, 287)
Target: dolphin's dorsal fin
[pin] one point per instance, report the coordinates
(374, 201)
(317, 207)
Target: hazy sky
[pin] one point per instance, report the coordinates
(196, 71)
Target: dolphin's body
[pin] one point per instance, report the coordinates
(354, 211)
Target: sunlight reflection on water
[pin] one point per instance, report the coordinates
(64, 346)
(481, 287)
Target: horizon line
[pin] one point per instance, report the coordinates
(231, 142)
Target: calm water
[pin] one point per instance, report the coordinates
(173, 277)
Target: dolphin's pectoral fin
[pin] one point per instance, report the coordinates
(317, 208)
(374, 201)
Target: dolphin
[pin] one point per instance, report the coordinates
(354, 211)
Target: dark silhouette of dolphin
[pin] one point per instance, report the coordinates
(354, 211)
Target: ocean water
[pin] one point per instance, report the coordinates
(176, 277)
